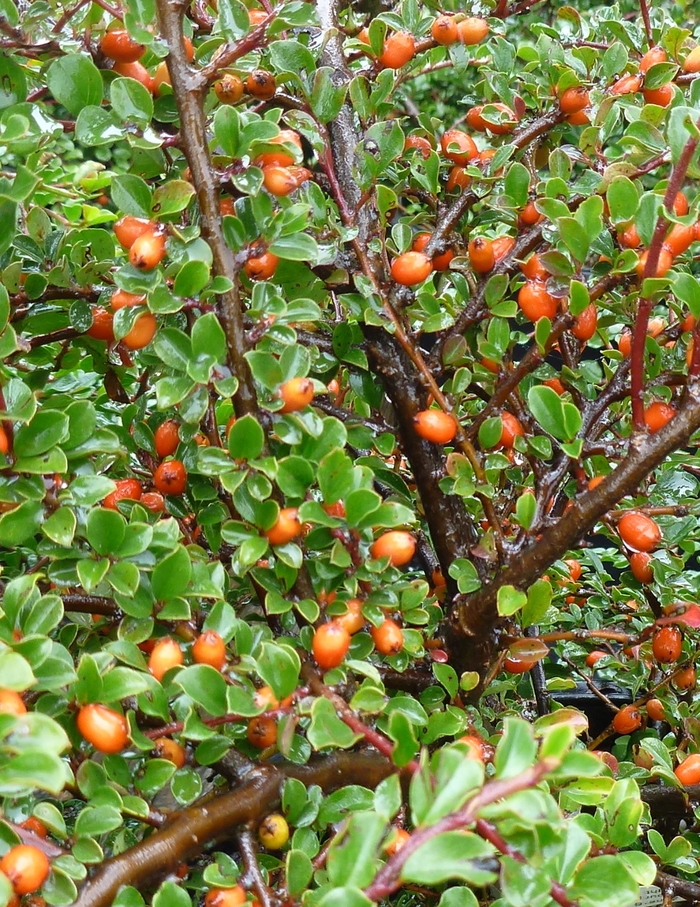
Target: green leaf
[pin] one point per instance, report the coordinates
(131, 195)
(297, 247)
(15, 672)
(46, 429)
(279, 667)
(539, 598)
(326, 97)
(34, 769)
(558, 417)
(300, 871)
(192, 277)
(517, 749)
(510, 600)
(105, 530)
(327, 730)
(352, 856)
(172, 574)
(604, 882)
(208, 338)
(60, 526)
(246, 439)
(206, 686)
(75, 82)
(131, 100)
(451, 855)
(623, 200)
(20, 524)
(172, 197)
(170, 894)
(517, 184)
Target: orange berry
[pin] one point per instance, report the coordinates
(435, 425)
(400, 837)
(638, 531)
(161, 77)
(651, 57)
(262, 732)
(397, 544)
(629, 238)
(411, 268)
(626, 85)
(476, 119)
(594, 657)
(35, 826)
(502, 246)
(153, 500)
(167, 748)
(535, 302)
(261, 85)
(457, 178)
(574, 99)
(229, 88)
(143, 331)
(353, 620)
(167, 438)
(279, 181)
(148, 250)
(286, 527)
(106, 730)
(123, 300)
(330, 645)
(262, 266)
(399, 49)
(658, 414)
(624, 344)
(688, 772)
(166, 654)
(445, 30)
(226, 897)
(692, 61)
(128, 229)
(441, 261)
(170, 477)
(210, 649)
(296, 394)
(11, 703)
(661, 96)
(511, 429)
(655, 710)
(685, 679)
(102, 327)
(418, 143)
(388, 638)
(473, 30)
(586, 323)
(518, 665)
(679, 239)
(458, 147)
(135, 71)
(280, 158)
(627, 720)
(639, 565)
(4, 441)
(533, 269)
(481, 254)
(127, 489)
(26, 867)
(530, 216)
(265, 698)
(555, 384)
(119, 45)
(667, 645)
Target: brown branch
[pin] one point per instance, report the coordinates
(189, 830)
(91, 604)
(189, 87)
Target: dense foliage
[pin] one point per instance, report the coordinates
(348, 470)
